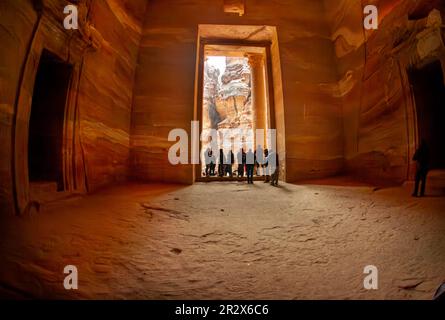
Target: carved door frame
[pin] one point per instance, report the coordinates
(68, 45)
(265, 37)
(413, 53)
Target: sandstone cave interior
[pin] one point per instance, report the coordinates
(85, 117)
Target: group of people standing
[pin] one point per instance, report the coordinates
(267, 165)
(265, 162)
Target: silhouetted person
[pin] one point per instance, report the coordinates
(241, 160)
(221, 163)
(421, 156)
(265, 166)
(230, 161)
(274, 167)
(212, 164)
(259, 158)
(250, 165)
(208, 159)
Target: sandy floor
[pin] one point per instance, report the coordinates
(228, 241)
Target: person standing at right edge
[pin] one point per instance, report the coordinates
(421, 156)
(274, 167)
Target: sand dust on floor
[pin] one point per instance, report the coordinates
(228, 240)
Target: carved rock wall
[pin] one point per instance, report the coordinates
(164, 91)
(16, 20)
(373, 87)
(231, 101)
(344, 91)
(105, 92)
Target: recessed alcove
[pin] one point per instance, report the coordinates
(428, 87)
(45, 143)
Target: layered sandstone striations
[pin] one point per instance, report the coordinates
(107, 90)
(211, 117)
(104, 96)
(373, 85)
(235, 95)
(164, 92)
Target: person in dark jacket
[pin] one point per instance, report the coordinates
(241, 160)
(265, 166)
(208, 159)
(229, 162)
(250, 165)
(212, 163)
(221, 163)
(421, 156)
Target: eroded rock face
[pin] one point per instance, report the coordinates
(235, 95)
(373, 86)
(236, 79)
(227, 98)
(211, 117)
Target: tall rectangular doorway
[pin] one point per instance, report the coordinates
(235, 102)
(46, 125)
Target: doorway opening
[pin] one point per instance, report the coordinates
(46, 125)
(235, 104)
(429, 93)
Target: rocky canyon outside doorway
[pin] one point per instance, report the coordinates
(235, 103)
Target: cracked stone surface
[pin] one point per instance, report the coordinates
(228, 240)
